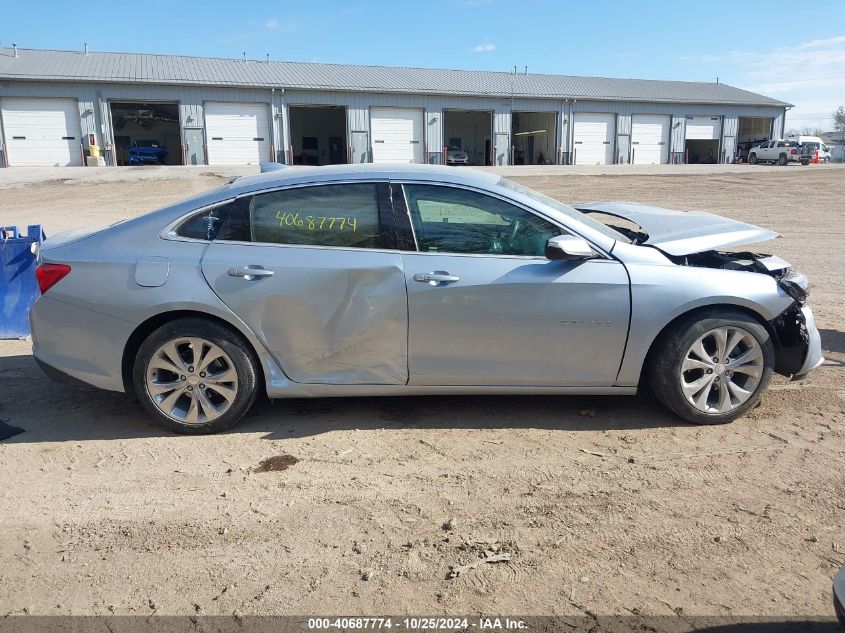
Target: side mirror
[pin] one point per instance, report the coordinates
(568, 248)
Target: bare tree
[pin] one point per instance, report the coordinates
(839, 120)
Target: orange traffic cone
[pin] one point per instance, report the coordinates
(815, 159)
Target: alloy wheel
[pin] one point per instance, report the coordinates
(722, 369)
(191, 380)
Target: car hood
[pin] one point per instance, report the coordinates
(682, 232)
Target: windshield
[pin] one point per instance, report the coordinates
(563, 208)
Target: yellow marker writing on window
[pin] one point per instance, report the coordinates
(316, 223)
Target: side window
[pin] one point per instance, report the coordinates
(452, 220)
(344, 215)
(205, 224)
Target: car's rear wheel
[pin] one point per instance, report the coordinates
(782, 160)
(752, 158)
(195, 376)
(713, 367)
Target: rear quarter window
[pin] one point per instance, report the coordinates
(203, 225)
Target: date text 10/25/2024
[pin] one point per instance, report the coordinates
(417, 624)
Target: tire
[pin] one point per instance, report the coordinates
(783, 160)
(826, 160)
(805, 162)
(181, 400)
(752, 158)
(668, 371)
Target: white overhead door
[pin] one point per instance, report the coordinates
(593, 138)
(397, 135)
(650, 138)
(704, 128)
(42, 132)
(237, 133)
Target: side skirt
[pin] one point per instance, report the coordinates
(297, 390)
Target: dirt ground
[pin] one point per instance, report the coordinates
(606, 505)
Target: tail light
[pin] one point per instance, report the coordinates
(49, 275)
(793, 151)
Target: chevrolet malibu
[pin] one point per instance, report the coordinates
(387, 280)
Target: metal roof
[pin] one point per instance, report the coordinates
(46, 65)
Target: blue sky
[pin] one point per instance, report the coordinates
(794, 51)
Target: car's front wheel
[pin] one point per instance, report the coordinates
(195, 376)
(752, 158)
(713, 367)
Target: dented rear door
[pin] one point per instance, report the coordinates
(314, 272)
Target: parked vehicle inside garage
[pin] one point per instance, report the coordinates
(147, 152)
(456, 156)
(384, 280)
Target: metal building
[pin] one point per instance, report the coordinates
(55, 105)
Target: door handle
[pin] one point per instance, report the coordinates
(436, 277)
(250, 272)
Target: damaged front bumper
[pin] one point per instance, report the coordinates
(799, 345)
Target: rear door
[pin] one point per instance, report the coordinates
(314, 271)
(487, 308)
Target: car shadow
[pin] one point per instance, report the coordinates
(57, 412)
(833, 340)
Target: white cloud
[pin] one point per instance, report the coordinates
(809, 74)
(483, 48)
(272, 24)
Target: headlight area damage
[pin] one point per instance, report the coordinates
(789, 329)
(693, 238)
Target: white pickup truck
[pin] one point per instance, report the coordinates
(780, 151)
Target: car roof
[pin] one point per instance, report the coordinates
(365, 171)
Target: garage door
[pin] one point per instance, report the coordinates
(650, 139)
(42, 132)
(593, 138)
(704, 128)
(397, 135)
(238, 133)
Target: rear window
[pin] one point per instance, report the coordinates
(344, 215)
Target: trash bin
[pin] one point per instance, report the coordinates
(18, 285)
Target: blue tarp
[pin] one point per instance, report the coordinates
(18, 285)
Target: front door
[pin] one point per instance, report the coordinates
(194, 146)
(487, 308)
(314, 274)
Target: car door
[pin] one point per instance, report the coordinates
(485, 307)
(315, 273)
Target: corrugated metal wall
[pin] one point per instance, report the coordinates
(94, 113)
(729, 113)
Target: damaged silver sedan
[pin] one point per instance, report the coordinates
(388, 280)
